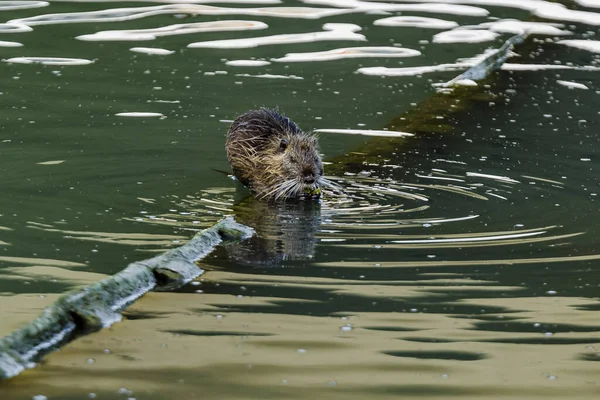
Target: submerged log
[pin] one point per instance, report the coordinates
(435, 115)
(98, 306)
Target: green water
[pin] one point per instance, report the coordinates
(457, 264)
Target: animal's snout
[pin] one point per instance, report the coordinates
(309, 178)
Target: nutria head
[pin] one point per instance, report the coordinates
(273, 157)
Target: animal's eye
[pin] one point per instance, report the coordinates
(316, 159)
(283, 144)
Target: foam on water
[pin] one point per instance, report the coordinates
(270, 76)
(410, 71)
(22, 5)
(4, 43)
(572, 85)
(430, 7)
(140, 114)
(465, 36)
(332, 31)
(48, 61)
(247, 63)
(14, 28)
(127, 14)
(170, 30)
(349, 52)
(589, 45)
(416, 22)
(152, 51)
(517, 27)
(365, 132)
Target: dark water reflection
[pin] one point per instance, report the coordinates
(459, 261)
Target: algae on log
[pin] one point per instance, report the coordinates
(97, 306)
(436, 113)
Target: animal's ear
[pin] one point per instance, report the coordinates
(283, 144)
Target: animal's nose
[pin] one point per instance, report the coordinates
(310, 178)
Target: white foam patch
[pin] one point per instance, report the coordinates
(417, 22)
(572, 85)
(332, 31)
(127, 14)
(247, 63)
(350, 52)
(517, 27)
(152, 51)
(409, 71)
(540, 8)
(14, 28)
(545, 67)
(48, 61)
(561, 13)
(270, 76)
(588, 3)
(494, 177)
(4, 43)
(53, 162)
(414, 71)
(427, 7)
(140, 114)
(365, 132)
(177, 29)
(465, 36)
(470, 239)
(589, 45)
(22, 5)
(465, 82)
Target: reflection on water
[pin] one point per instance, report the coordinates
(455, 264)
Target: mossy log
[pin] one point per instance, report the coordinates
(98, 306)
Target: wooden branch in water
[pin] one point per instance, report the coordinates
(98, 306)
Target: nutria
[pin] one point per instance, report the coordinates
(273, 157)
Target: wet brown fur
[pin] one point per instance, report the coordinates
(273, 157)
